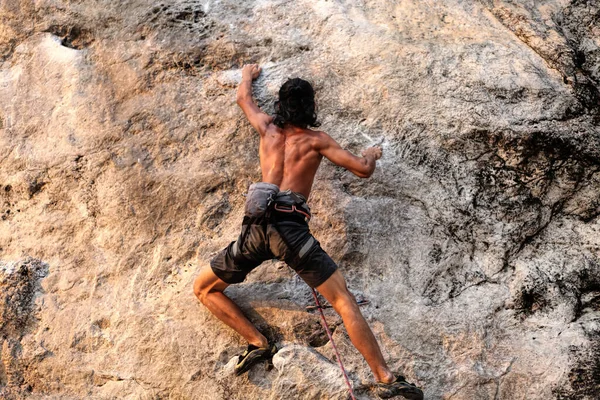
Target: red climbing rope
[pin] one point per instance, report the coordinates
(337, 354)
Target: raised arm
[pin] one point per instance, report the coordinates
(257, 118)
(362, 167)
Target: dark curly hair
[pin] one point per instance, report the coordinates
(296, 104)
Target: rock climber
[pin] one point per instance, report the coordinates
(275, 226)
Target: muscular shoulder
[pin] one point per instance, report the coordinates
(270, 127)
(321, 140)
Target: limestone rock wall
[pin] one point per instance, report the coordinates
(124, 161)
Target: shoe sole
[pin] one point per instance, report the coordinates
(416, 395)
(250, 360)
(408, 393)
(247, 363)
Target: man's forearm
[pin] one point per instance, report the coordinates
(244, 92)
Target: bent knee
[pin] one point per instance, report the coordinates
(202, 288)
(198, 287)
(205, 284)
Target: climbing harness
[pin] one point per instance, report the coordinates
(259, 209)
(337, 354)
(292, 209)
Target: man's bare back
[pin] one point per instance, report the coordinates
(290, 156)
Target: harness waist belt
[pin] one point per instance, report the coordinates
(287, 208)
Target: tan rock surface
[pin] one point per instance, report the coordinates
(124, 161)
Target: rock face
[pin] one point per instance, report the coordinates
(124, 162)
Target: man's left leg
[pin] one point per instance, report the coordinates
(336, 292)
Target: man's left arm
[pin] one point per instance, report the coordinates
(257, 118)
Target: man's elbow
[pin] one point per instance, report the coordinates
(365, 173)
(242, 98)
(366, 168)
(368, 171)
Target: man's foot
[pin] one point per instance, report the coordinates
(253, 355)
(398, 388)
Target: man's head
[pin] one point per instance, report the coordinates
(296, 104)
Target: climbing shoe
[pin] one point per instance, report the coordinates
(253, 355)
(398, 388)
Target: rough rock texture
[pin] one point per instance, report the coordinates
(20, 285)
(124, 162)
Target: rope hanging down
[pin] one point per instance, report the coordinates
(337, 354)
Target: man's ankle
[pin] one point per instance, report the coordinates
(386, 377)
(259, 343)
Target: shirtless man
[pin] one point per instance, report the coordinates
(275, 226)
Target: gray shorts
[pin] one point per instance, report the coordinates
(275, 235)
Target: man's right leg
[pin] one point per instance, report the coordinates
(336, 292)
(209, 290)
